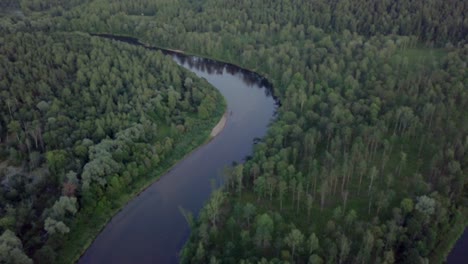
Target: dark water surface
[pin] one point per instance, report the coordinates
(459, 254)
(151, 229)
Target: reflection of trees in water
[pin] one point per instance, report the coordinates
(201, 64)
(214, 67)
(205, 65)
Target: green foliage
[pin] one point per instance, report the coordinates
(11, 249)
(68, 158)
(360, 126)
(53, 227)
(294, 239)
(264, 230)
(369, 145)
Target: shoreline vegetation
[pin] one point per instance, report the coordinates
(451, 237)
(366, 161)
(94, 231)
(73, 251)
(90, 220)
(82, 236)
(145, 43)
(460, 221)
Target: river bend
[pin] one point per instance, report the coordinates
(150, 228)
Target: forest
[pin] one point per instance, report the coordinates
(366, 162)
(68, 163)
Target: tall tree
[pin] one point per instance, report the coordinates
(294, 239)
(264, 231)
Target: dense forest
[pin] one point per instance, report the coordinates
(83, 123)
(366, 162)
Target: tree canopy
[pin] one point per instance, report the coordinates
(366, 161)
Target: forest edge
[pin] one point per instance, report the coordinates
(216, 130)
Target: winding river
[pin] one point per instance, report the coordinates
(150, 228)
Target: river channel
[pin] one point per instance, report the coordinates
(150, 228)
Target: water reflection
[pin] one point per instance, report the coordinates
(151, 229)
(215, 67)
(209, 66)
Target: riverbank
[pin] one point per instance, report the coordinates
(84, 230)
(449, 240)
(147, 44)
(189, 183)
(220, 126)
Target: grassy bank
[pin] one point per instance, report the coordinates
(85, 229)
(446, 244)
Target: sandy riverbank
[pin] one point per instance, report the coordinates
(220, 126)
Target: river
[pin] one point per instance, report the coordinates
(150, 228)
(459, 254)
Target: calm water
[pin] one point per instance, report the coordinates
(459, 254)
(151, 229)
